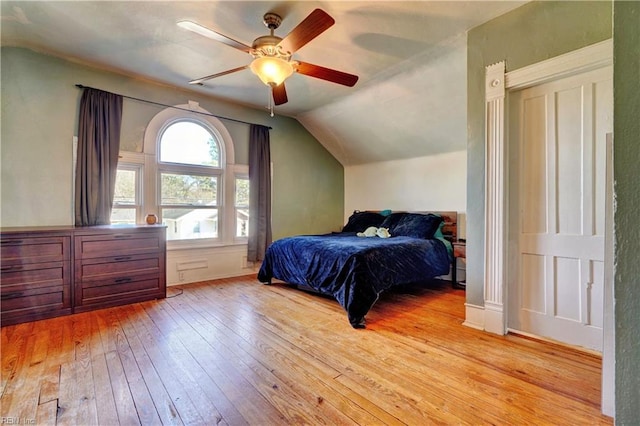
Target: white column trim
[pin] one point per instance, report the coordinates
(495, 196)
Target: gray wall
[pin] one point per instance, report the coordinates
(39, 119)
(626, 107)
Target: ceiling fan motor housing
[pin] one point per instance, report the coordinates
(268, 46)
(271, 20)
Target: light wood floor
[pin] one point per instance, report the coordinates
(239, 352)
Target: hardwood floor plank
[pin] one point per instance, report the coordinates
(366, 361)
(106, 408)
(167, 412)
(186, 394)
(49, 385)
(368, 376)
(287, 357)
(76, 402)
(489, 350)
(218, 376)
(225, 386)
(123, 399)
(20, 396)
(258, 352)
(46, 413)
(235, 352)
(142, 399)
(13, 354)
(40, 347)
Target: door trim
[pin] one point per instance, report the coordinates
(497, 85)
(588, 58)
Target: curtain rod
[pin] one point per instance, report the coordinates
(80, 86)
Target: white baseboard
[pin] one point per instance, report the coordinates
(474, 316)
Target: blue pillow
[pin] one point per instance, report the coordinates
(359, 221)
(417, 225)
(391, 221)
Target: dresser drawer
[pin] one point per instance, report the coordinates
(118, 291)
(119, 267)
(36, 299)
(118, 244)
(18, 251)
(32, 293)
(24, 277)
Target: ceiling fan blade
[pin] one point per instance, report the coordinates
(328, 74)
(206, 32)
(279, 94)
(220, 74)
(311, 27)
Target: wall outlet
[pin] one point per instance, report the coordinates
(181, 276)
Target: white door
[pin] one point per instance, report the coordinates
(557, 160)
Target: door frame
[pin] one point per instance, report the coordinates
(492, 317)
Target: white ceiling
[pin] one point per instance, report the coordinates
(410, 100)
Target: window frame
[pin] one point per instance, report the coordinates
(185, 169)
(244, 176)
(226, 172)
(134, 162)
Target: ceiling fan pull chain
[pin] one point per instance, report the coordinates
(271, 100)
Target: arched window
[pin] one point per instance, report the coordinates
(190, 180)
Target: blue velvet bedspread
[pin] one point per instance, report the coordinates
(352, 269)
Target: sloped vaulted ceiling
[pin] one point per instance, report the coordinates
(410, 56)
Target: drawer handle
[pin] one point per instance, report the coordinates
(12, 295)
(123, 236)
(11, 242)
(123, 280)
(118, 259)
(11, 268)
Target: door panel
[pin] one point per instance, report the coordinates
(557, 144)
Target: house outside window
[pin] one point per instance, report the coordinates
(242, 206)
(127, 199)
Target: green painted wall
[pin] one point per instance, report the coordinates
(626, 90)
(39, 119)
(532, 33)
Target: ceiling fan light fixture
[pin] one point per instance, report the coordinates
(272, 71)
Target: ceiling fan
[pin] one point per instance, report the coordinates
(272, 61)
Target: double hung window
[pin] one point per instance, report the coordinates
(127, 198)
(242, 206)
(190, 176)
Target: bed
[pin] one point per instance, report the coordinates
(356, 270)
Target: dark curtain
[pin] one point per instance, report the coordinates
(259, 193)
(97, 159)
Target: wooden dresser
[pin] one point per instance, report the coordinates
(53, 271)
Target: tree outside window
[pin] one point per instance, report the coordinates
(189, 178)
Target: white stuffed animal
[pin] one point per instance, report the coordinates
(372, 231)
(383, 233)
(369, 232)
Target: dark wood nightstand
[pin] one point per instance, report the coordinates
(459, 251)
